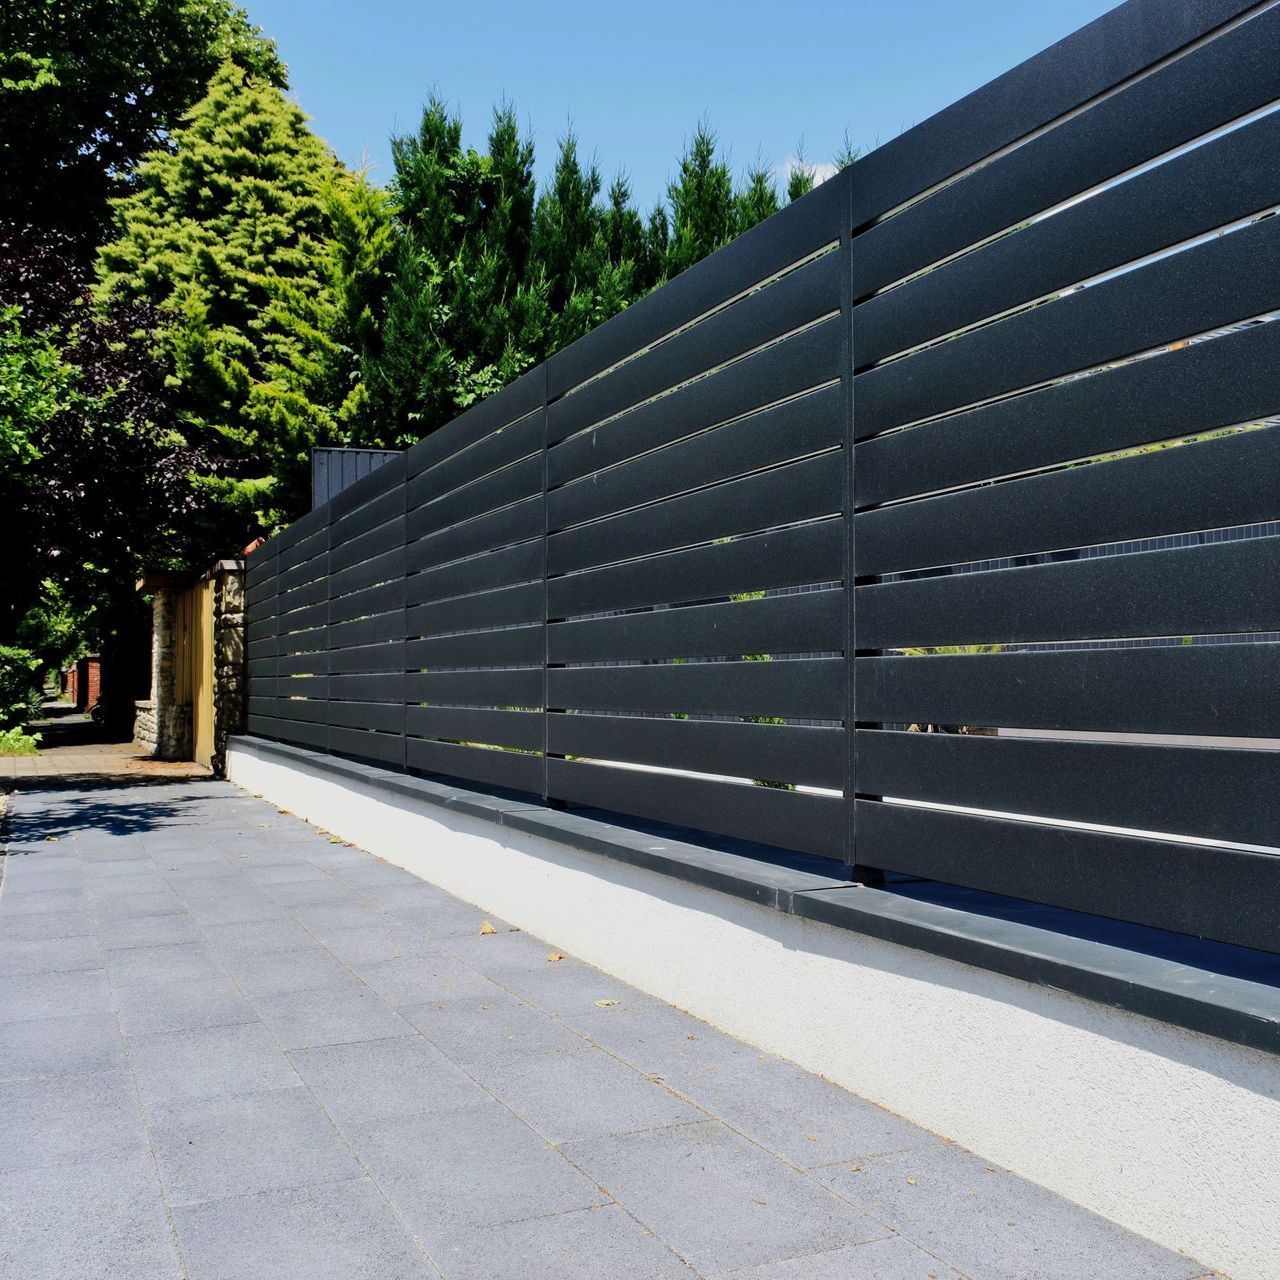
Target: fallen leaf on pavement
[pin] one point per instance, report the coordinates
(486, 927)
(555, 956)
(604, 1004)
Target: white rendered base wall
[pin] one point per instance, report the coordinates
(1172, 1134)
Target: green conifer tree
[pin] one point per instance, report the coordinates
(702, 205)
(756, 200)
(231, 234)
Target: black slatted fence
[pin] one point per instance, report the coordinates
(977, 437)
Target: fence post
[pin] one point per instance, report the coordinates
(546, 657)
(852, 869)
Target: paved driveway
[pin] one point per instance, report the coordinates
(232, 1048)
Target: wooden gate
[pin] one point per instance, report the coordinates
(193, 664)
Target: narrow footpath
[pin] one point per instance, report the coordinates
(233, 1048)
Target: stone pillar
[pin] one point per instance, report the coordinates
(161, 724)
(229, 651)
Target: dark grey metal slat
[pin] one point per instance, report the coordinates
(1231, 380)
(1212, 793)
(1214, 893)
(1226, 587)
(1207, 485)
(805, 755)
(1228, 690)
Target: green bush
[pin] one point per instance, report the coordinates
(19, 686)
(16, 742)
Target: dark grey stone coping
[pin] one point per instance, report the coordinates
(1182, 982)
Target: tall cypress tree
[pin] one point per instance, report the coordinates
(230, 234)
(756, 200)
(702, 205)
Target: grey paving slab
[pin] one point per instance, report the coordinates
(383, 940)
(341, 1013)
(987, 1222)
(297, 969)
(38, 995)
(587, 1244)
(177, 1066)
(890, 1259)
(308, 891)
(60, 1046)
(49, 924)
(487, 1029)
(339, 1231)
(51, 1120)
(38, 901)
(384, 1079)
(137, 906)
(213, 1001)
(582, 1093)
(160, 966)
(256, 937)
(48, 955)
(97, 1220)
(718, 1200)
(213, 1148)
(120, 934)
(324, 918)
(804, 1119)
(431, 976)
(470, 1165)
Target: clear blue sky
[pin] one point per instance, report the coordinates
(634, 79)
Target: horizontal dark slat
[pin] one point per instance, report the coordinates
(500, 568)
(1118, 45)
(263, 591)
(264, 647)
(796, 299)
(301, 528)
(369, 657)
(303, 641)
(367, 489)
(290, 625)
(1208, 485)
(510, 769)
(807, 688)
(804, 490)
(259, 565)
(1212, 793)
(794, 365)
(1231, 380)
(497, 687)
(303, 735)
(368, 573)
(382, 686)
(430, 511)
(1229, 690)
(386, 717)
(379, 629)
(386, 748)
(309, 548)
(372, 600)
(776, 624)
(516, 646)
(788, 819)
(348, 552)
(786, 753)
(506, 444)
(1216, 283)
(289, 664)
(1222, 894)
(502, 409)
(787, 557)
(516, 523)
(508, 606)
(1214, 185)
(302, 577)
(260, 627)
(521, 729)
(297, 710)
(364, 519)
(788, 237)
(311, 590)
(791, 430)
(1227, 78)
(1228, 587)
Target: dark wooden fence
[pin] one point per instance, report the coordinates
(888, 461)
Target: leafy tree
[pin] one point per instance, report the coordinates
(756, 200)
(231, 234)
(87, 87)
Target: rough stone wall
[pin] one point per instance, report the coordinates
(228, 658)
